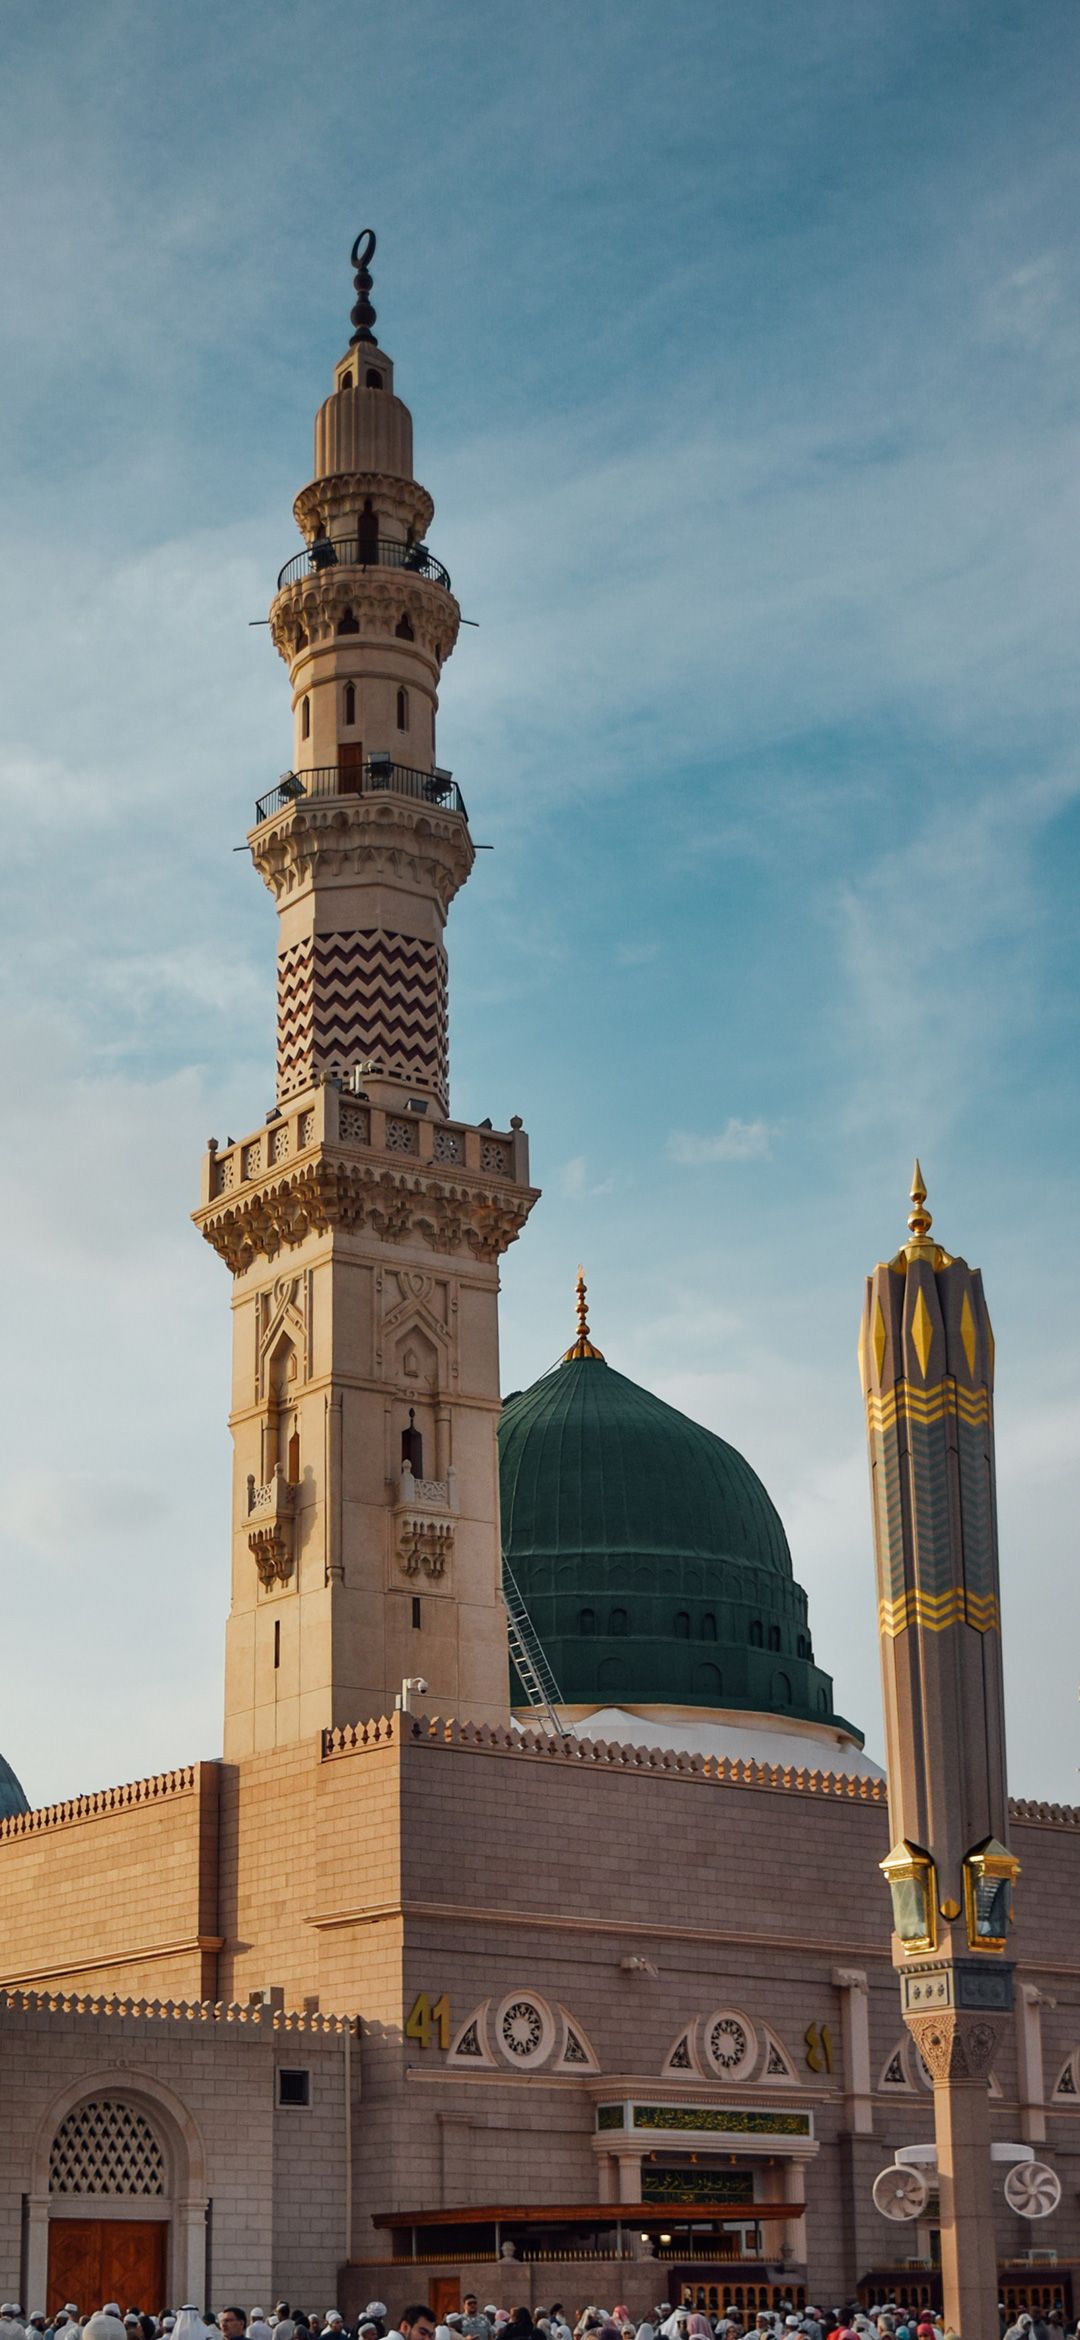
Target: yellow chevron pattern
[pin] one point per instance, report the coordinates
(905, 1404)
(936, 1611)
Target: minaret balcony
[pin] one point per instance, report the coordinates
(351, 552)
(378, 776)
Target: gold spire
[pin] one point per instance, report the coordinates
(919, 1220)
(920, 1243)
(582, 1347)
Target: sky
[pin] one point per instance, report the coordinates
(743, 346)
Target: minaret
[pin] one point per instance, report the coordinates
(362, 1225)
(926, 1354)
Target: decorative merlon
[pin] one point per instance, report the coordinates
(256, 2016)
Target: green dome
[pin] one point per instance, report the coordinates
(12, 1798)
(652, 1562)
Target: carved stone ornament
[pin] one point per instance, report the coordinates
(312, 608)
(448, 1212)
(394, 838)
(344, 494)
(425, 1543)
(271, 1517)
(953, 2046)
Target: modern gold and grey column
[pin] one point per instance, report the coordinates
(926, 1354)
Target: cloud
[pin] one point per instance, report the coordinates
(574, 1181)
(738, 1141)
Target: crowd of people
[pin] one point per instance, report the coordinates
(886, 2321)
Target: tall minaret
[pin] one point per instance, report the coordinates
(363, 1226)
(926, 1353)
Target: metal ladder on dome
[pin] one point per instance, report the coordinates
(533, 1670)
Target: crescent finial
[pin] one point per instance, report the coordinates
(362, 315)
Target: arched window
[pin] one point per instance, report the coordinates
(292, 1466)
(348, 622)
(611, 1677)
(367, 536)
(305, 718)
(404, 628)
(682, 1625)
(373, 379)
(757, 1636)
(350, 702)
(823, 1703)
(403, 710)
(106, 2146)
(586, 1621)
(346, 381)
(708, 1626)
(708, 1680)
(804, 1646)
(618, 1622)
(774, 1637)
(781, 1690)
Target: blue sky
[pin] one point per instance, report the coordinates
(743, 349)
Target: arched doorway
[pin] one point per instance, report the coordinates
(106, 2149)
(117, 2207)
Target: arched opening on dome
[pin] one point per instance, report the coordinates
(586, 1621)
(611, 1677)
(619, 1621)
(708, 1680)
(774, 1637)
(682, 1625)
(373, 379)
(781, 1690)
(348, 622)
(708, 1626)
(404, 628)
(757, 1633)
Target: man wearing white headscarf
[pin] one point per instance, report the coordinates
(188, 2326)
(104, 2326)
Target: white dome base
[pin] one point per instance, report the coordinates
(743, 1738)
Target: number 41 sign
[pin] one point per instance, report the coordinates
(428, 2021)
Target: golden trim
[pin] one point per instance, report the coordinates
(905, 1864)
(936, 1611)
(903, 1403)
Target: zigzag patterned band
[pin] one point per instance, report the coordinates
(903, 1403)
(935, 1611)
(345, 997)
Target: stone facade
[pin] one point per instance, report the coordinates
(686, 1934)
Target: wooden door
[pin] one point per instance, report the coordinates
(94, 2259)
(350, 766)
(445, 2297)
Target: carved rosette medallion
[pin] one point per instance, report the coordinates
(954, 2046)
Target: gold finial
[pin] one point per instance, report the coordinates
(920, 1243)
(920, 1221)
(582, 1347)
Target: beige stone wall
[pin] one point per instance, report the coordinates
(208, 2089)
(117, 1891)
(466, 1867)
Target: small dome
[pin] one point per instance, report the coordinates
(12, 1798)
(652, 1562)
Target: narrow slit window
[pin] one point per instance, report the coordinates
(403, 710)
(277, 1643)
(305, 719)
(350, 702)
(416, 1617)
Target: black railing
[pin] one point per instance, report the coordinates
(352, 552)
(377, 777)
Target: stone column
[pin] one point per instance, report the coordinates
(1030, 2002)
(958, 2051)
(795, 2226)
(630, 2176)
(852, 1984)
